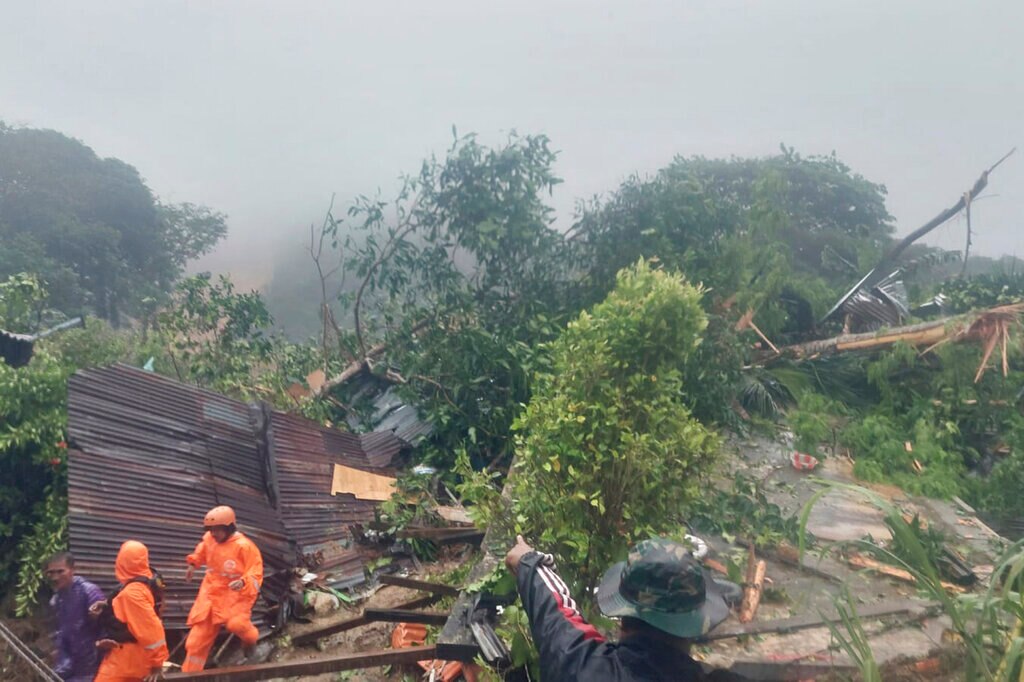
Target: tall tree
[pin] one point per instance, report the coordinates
(753, 228)
(90, 227)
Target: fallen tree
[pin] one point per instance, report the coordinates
(990, 326)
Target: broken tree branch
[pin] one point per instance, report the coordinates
(316, 250)
(400, 233)
(752, 589)
(887, 263)
(980, 184)
(357, 366)
(967, 246)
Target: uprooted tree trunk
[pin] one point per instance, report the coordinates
(991, 327)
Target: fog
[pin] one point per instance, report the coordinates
(264, 109)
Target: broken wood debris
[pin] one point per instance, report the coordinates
(405, 616)
(312, 636)
(423, 585)
(861, 561)
(752, 589)
(317, 666)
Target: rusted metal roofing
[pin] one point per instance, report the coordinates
(149, 456)
(391, 415)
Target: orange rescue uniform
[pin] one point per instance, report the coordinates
(134, 606)
(237, 558)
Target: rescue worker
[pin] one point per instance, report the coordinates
(234, 574)
(143, 659)
(663, 597)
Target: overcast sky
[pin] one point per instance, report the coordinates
(264, 109)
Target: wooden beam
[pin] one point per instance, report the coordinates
(433, 588)
(267, 671)
(405, 616)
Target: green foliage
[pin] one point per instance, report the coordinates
(933, 403)
(412, 504)
(743, 511)
(1000, 493)
(607, 453)
(748, 228)
(32, 467)
(814, 422)
(983, 291)
(515, 629)
(214, 336)
(48, 535)
(22, 299)
(90, 227)
(462, 278)
(878, 445)
(850, 636)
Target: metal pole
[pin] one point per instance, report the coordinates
(43, 671)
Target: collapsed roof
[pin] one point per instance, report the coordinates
(148, 456)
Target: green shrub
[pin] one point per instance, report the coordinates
(877, 444)
(815, 421)
(607, 452)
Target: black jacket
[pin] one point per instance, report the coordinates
(571, 649)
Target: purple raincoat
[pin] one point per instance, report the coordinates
(75, 632)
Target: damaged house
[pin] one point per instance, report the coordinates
(148, 456)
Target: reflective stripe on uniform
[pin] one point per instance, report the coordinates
(156, 644)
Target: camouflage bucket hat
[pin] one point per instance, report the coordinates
(662, 584)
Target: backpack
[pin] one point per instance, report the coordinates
(116, 629)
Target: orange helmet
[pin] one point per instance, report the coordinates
(219, 516)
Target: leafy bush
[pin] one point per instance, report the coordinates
(815, 421)
(1000, 493)
(983, 291)
(607, 453)
(877, 443)
(745, 511)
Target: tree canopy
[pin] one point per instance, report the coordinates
(90, 227)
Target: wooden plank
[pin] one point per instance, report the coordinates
(898, 607)
(433, 588)
(436, 533)
(267, 671)
(405, 616)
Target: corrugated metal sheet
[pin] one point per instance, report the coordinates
(393, 415)
(885, 305)
(149, 456)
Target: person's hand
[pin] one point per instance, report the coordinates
(106, 644)
(188, 573)
(236, 585)
(517, 553)
(96, 608)
(154, 675)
